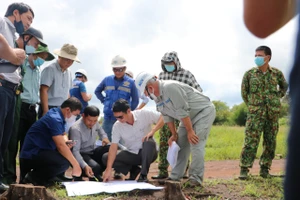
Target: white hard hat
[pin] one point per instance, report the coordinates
(141, 81)
(83, 72)
(129, 73)
(118, 61)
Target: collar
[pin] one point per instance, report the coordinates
(83, 126)
(59, 68)
(60, 113)
(10, 24)
(119, 79)
(268, 69)
(160, 86)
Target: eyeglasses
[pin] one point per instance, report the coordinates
(119, 117)
(119, 69)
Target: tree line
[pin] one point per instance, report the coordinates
(237, 115)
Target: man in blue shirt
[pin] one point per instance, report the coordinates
(46, 149)
(78, 89)
(116, 86)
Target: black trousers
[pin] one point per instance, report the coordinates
(44, 166)
(126, 160)
(94, 160)
(40, 111)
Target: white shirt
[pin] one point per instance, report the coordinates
(131, 136)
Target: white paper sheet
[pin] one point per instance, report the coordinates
(78, 188)
(172, 154)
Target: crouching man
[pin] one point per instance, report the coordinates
(84, 132)
(46, 150)
(134, 131)
(176, 100)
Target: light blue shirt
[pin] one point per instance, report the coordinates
(31, 84)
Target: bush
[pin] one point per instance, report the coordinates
(222, 113)
(239, 114)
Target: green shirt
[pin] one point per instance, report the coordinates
(263, 90)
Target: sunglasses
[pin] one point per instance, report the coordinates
(119, 117)
(119, 69)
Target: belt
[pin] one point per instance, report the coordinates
(9, 85)
(29, 106)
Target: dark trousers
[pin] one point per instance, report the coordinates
(95, 160)
(7, 111)
(40, 111)
(44, 166)
(126, 160)
(9, 165)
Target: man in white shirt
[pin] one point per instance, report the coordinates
(134, 130)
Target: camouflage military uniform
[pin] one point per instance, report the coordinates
(165, 134)
(261, 92)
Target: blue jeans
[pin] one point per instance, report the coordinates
(107, 126)
(7, 112)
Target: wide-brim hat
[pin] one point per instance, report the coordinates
(42, 49)
(67, 51)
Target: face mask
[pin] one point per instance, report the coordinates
(170, 68)
(69, 122)
(38, 62)
(152, 96)
(259, 61)
(19, 27)
(29, 49)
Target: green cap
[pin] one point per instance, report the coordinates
(42, 49)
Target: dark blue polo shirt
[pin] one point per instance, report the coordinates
(39, 136)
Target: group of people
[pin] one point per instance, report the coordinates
(68, 128)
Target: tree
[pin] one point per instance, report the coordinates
(239, 114)
(222, 112)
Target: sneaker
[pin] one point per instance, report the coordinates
(160, 176)
(191, 183)
(244, 173)
(264, 172)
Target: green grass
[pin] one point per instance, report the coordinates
(226, 142)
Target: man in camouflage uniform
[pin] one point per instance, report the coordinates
(172, 70)
(262, 88)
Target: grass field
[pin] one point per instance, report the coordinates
(226, 142)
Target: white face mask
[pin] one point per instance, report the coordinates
(70, 121)
(152, 96)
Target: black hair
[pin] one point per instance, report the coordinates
(73, 103)
(21, 7)
(121, 105)
(92, 111)
(265, 49)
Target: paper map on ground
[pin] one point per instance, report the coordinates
(78, 188)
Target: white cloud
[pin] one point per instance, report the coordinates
(209, 36)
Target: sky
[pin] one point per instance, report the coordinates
(209, 36)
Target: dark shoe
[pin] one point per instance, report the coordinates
(171, 179)
(142, 178)
(264, 172)
(64, 178)
(159, 176)
(134, 172)
(3, 187)
(244, 173)
(29, 179)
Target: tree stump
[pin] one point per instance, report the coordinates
(24, 192)
(173, 191)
